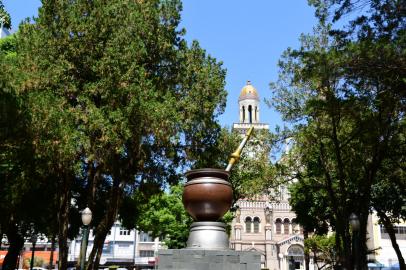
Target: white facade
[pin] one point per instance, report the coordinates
(122, 246)
(381, 243)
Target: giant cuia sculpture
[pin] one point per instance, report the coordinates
(207, 196)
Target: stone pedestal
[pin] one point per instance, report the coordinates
(208, 235)
(201, 259)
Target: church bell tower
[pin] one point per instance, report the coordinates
(248, 103)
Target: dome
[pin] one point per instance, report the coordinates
(248, 92)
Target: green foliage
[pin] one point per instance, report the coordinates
(5, 18)
(8, 46)
(116, 104)
(322, 247)
(252, 174)
(38, 262)
(165, 216)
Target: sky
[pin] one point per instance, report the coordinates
(248, 36)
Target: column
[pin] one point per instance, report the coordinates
(241, 120)
(268, 232)
(237, 231)
(237, 236)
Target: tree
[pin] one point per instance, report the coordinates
(165, 216)
(347, 117)
(118, 103)
(5, 19)
(388, 200)
(322, 247)
(376, 38)
(20, 185)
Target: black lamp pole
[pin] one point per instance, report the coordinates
(33, 241)
(355, 224)
(86, 219)
(83, 247)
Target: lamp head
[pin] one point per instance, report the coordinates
(354, 222)
(33, 238)
(86, 216)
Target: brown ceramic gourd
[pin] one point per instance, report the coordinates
(207, 195)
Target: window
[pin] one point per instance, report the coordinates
(145, 237)
(107, 248)
(256, 224)
(400, 232)
(278, 224)
(124, 231)
(248, 223)
(146, 253)
(286, 226)
(243, 114)
(123, 246)
(250, 113)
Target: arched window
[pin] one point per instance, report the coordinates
(243, 114)
(295, 250)
(286, 226)
(250, 113)
(278, 224)
(248, 224)
(256, 224)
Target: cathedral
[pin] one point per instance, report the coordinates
(261, 225)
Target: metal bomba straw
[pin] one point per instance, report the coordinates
(234, 157)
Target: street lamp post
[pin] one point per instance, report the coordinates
(280, 257)
(86, 219)
(33, 241)
(355, 226)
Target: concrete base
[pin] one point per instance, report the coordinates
(201, 259)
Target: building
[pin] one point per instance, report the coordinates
(379, 241)
(260, 224)
(43, 247)
(122, 247)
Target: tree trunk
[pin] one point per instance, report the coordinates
(63, 219)
(315, 260)
(105, 225)
(392, 235)
(51, 258)
(362, 259)
(16, 242)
